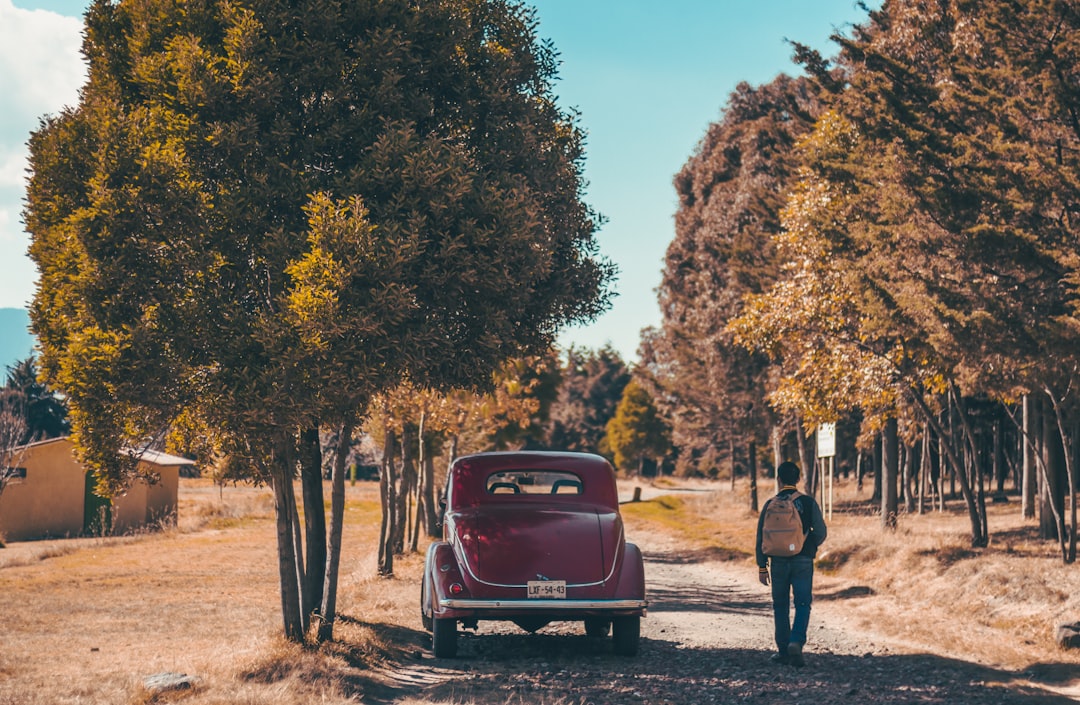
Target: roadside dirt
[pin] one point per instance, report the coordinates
(707, 639)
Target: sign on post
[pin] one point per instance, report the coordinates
(826, 440)
(826, 451)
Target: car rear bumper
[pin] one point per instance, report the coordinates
(540, 605)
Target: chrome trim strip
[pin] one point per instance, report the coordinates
(570, 605)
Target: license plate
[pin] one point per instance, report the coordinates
(549, 589)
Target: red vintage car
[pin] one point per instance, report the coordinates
(533, 538)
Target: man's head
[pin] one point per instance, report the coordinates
(788, 473)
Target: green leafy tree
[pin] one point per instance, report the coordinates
(44, 411)
(637, 432)
(592, 383)
(950, 240)
(271, 212)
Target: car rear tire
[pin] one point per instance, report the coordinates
(444, 638)
(625, 634)
(597, 627)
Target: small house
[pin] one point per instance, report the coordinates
(51, 494)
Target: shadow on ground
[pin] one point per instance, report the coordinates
(574, 669)
(560, 665)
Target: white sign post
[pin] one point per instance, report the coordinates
(826, 451)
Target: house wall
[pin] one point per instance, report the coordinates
(49, 501)
(129, 509)
(161, 496)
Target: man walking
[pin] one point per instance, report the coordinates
(790, 529)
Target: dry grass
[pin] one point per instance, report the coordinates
(922, 583)
(94, 617)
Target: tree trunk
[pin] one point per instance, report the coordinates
(1064, 485)
(909, 478)
(941, 473)
(328, 609)
(404, 490)
(976, 502)
(1051, 492)
(731, 450)
(1000, 467)
(421, 508)
(810, 475)
(311, 482)
(776, 441)
(298, 556)
(979, 539)
(387, 488)
(879, 471)
(1029, 479)
(806, 458)
(924, 469)
(431, 505)
(752, 464)
(889, 467)
(281, 479)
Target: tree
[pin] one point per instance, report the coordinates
(269, 213)
(411, 425)
(592, 383)
(12, 432)
(967, 117)
(637, 432)
(44, 412)
(29, 412)
(730, 194)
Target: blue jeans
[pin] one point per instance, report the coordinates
(791, 577)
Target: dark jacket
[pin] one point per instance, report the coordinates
(812, 521)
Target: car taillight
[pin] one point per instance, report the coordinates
(456, 588)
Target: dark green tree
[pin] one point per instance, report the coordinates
(592, 385)
(268, 212)
(44, 411)
(637, 432)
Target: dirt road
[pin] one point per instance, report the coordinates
(707, 639)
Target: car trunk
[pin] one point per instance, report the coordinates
(508, 546)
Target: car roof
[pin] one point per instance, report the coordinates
(469, 472)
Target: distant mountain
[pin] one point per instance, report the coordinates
(16, 340)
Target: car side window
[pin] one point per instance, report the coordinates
(534, 482)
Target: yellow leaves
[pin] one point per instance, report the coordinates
(496, 49)
(809, 322)
(317, 278)
(339, 234)
(833, 137)
(241, 37)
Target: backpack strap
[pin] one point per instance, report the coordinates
(795, 494)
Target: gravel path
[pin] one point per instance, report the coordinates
(707, 639)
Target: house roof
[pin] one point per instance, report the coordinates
(150, 456)
(158, 458)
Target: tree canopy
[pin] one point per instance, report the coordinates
(927, 239)
(730, 194)
(268, 212)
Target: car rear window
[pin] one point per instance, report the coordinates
(533, 482)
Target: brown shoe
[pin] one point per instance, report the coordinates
(794, 652)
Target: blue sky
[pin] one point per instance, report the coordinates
(647, 77)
